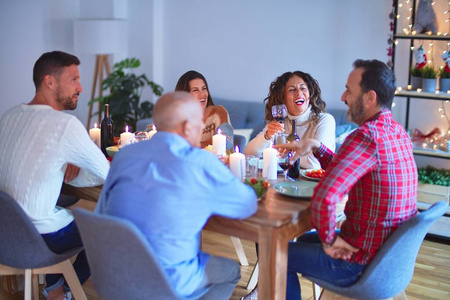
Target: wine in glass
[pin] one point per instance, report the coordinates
(285, 164)
(279, 113)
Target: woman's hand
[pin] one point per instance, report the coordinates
(274, 127)
(301, 148)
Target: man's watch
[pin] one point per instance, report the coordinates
(326, 246)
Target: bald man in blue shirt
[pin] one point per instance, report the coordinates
(169, 187)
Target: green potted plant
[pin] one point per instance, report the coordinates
(444, 80)
(124, 99)
(429, 78)
(416, 78)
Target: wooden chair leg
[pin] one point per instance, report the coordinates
(35, 287)
(27, 285)
(253, 278)
(239, 250)
(72, 280)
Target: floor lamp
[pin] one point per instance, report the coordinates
(101, 37)
(101, 64)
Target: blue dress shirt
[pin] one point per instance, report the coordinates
(169, 189)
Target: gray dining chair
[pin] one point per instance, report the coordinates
(390, 272)
(24, 251)
(123, 264)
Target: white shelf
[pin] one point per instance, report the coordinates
(433, 153)
(422, 36)
(424, 95)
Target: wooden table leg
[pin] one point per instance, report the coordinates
(273, 248)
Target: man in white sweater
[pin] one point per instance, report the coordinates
(41, 147)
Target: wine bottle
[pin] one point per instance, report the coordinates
(294, 172)
(106, 131)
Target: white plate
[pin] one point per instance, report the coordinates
(303, 173)
(297, 189)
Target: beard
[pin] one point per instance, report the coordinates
(66, 101)
(356, 113)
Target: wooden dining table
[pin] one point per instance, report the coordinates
(278, 220)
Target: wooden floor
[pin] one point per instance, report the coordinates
(431, 275)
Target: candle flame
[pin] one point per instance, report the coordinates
(219, 131)
(236, 149)
(95, 125)
(126, 128)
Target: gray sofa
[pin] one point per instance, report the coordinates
(245, 114)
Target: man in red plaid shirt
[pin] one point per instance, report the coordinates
(375, 167)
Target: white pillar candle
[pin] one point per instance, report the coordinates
(219, 143)
(237, 163)
(126, 137)
(270, 162)
(94, 133)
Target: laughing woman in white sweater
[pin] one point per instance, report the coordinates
(41, 147)
(301, 94)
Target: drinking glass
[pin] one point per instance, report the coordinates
(279, 113)
(285, 164)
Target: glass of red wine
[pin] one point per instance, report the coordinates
(279, 113)
(285, 164)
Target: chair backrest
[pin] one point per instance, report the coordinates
(122, 263)
(240, 141)
(390, 272)
(21, 244)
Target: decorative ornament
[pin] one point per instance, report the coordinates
(421, 57)
(390, 40)
(425, 17)
(446, 58)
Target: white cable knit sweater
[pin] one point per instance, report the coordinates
(37, 143)
(322, 129)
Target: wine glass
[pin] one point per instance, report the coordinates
(285, 164)
(279, 113)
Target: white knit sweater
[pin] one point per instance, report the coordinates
(322, 129)
(37, 143)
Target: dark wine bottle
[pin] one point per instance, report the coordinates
(294, 172)
(106, 131)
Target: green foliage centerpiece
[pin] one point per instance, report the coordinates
(259, 185)
(124, 99)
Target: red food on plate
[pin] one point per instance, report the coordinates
(315, 173)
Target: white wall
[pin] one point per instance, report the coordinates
(239, 45)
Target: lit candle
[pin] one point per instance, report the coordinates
(219, 143)
(419, 90)
(126, 137)
(237, 163)
(409, 87)
(269, 170)
(94, 133)
(151, 133)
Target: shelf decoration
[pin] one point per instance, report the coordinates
(421, 57)
(390, 41)
(425, 17)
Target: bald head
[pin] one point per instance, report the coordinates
(181, 113)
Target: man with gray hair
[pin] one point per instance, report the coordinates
(168, 187)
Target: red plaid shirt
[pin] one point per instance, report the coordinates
(375, 167)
